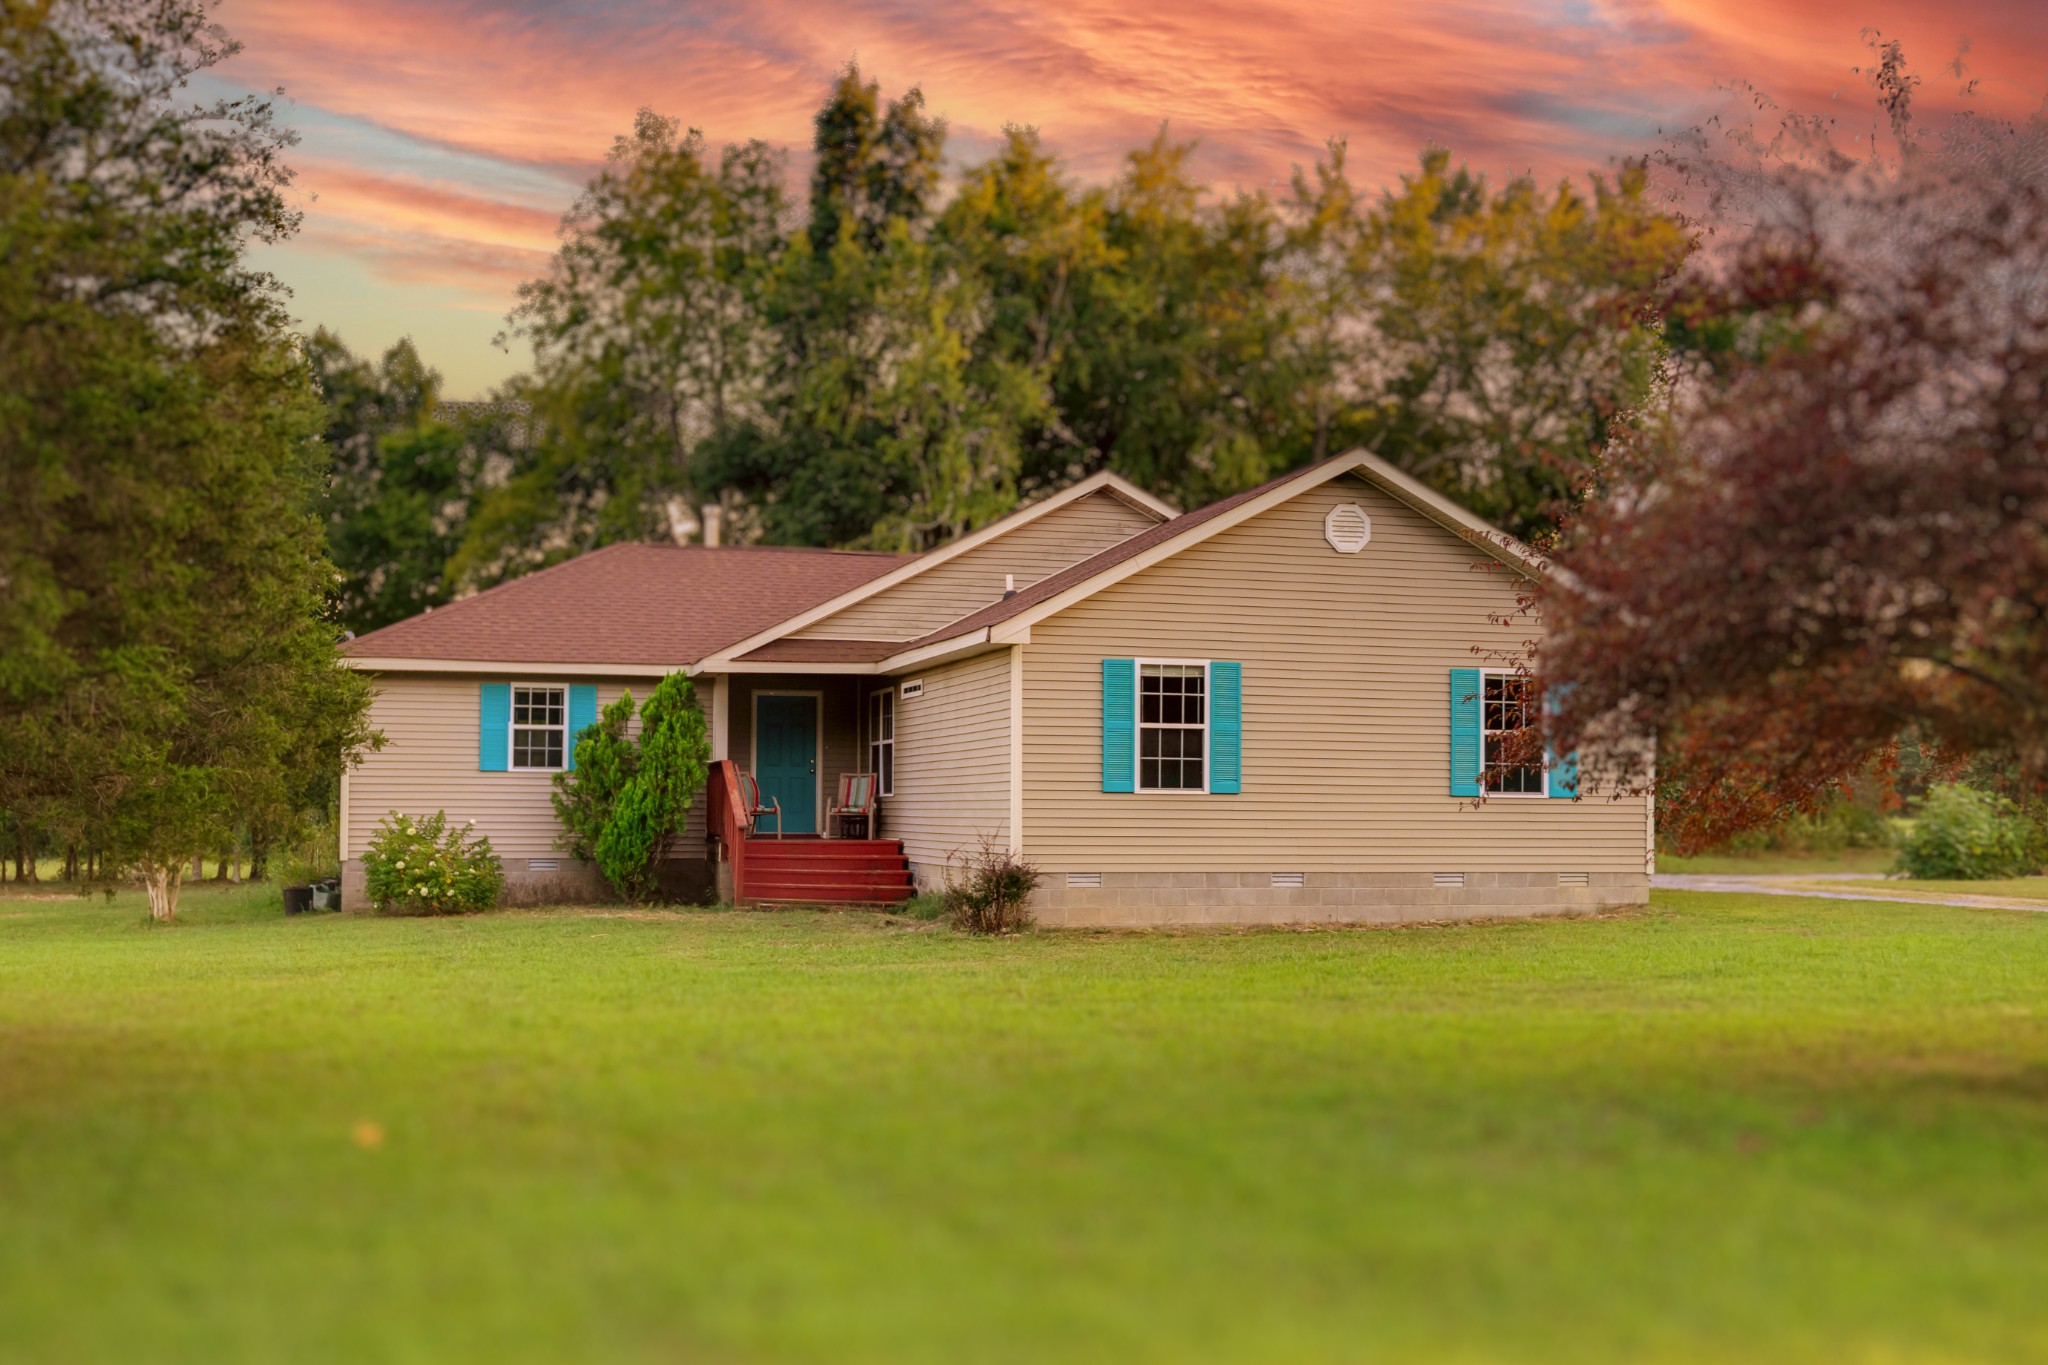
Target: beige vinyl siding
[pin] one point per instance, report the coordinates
(974, 579)
(1346, 710)
(429, 758)
(952, 762)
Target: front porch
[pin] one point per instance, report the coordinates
(753, 868)
(796, 733)
(940, 742)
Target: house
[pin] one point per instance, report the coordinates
(1279, 707)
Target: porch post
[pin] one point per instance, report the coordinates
(721, 716)
(1017, 750)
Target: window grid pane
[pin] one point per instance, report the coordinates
(1504, 713)
(882, 741)
(537, 706)
(539, 727)
(1172, 721)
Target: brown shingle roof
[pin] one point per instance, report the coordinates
(663, 605)
(821, 651)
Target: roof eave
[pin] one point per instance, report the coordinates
(1494, 542)
(1102, 482)
(390, 664)
(961, 646)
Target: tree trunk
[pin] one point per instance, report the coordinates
(160, 880)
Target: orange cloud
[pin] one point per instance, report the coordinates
(412, 257)
(411, 201)
(538, 91)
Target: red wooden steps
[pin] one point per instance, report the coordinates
(814, 871)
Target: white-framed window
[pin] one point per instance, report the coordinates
(1513, 766)
(540, 726)
(882, 740)
(1173, 725)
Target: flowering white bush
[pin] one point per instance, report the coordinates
(423, 867)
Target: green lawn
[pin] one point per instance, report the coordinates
(2018, 888)
(1727, 1129)
(1875, 861)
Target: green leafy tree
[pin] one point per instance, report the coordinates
(876, 167)
(367, 401)
(164, 666)
(625, 800)
(1498, 334)
(649, 341)
(892, 423)
(585, 794)
(1174, 385)
(406, 472)
(395, 548)
(898, 370)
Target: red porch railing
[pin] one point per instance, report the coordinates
(725, 819)
(802, 869)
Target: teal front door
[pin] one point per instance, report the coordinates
(786, 761)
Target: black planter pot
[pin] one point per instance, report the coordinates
(298, 899)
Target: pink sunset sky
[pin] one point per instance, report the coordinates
(444, 138)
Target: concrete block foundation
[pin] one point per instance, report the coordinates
(1139, 899)
(686, 881)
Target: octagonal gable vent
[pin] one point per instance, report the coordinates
(1347, 528)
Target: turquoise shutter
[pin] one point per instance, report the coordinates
(582, 715)
(1564, 772)
(1119, 724)
(1465, 746)
(494, 727)
(1226, 728)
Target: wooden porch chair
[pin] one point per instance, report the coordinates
(854, 802)
(750, 797)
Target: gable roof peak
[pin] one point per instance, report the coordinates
(1057, 591)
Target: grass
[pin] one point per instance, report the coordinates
(1875, 861)
(1729, 1128)
(2018, 888)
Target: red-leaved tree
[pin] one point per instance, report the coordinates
(1834, 526)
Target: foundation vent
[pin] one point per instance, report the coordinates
(1574, 879)
(1290, 879)
(1448, 879)
(1084, 879)
(543, 864)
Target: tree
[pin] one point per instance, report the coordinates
(404, 472)
(888, 423)
(587, 792)
(1491, 339)
(648, 340)
(164, 667)
(897, 370)
(875, 167)
(625, 801)
(1833, 527)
